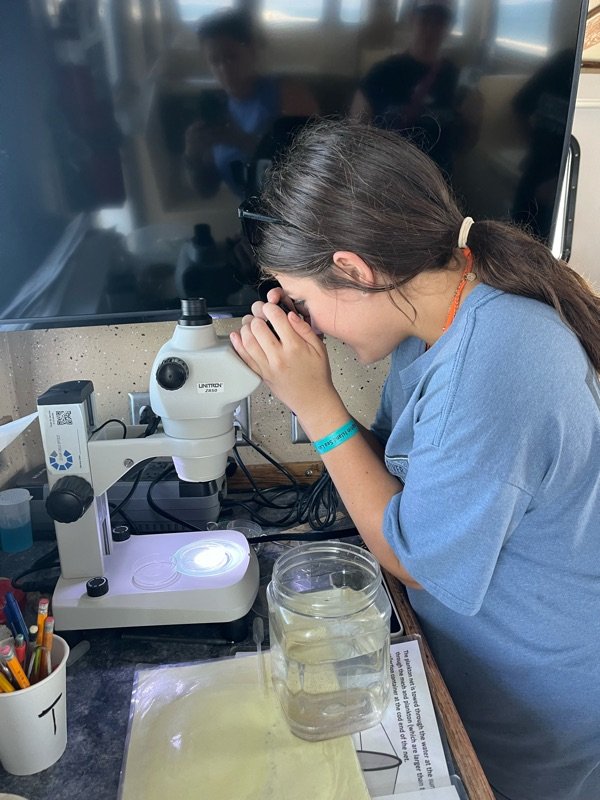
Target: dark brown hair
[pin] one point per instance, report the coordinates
(230, 24)
(348, 186)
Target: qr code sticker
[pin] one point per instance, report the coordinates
(64, 418)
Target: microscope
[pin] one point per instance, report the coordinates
(196, 383)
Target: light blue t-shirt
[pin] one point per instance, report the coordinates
(495, 432)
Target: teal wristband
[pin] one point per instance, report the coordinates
(336, 438)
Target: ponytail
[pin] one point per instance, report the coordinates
(508, 258)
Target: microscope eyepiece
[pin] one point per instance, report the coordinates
(194, 312)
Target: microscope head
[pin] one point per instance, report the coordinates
(196, 383)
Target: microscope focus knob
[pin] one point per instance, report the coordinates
(97, 587)
(172, 373)
(69, 499)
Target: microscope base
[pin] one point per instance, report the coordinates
(149, 585)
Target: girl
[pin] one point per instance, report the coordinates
(479, 483)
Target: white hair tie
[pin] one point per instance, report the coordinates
(464, 231)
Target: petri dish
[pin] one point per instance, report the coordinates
(154, 571)
(210, 557)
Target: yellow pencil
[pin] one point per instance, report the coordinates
(41, 618)
(5, 684)
(48, 633)
(8, 656)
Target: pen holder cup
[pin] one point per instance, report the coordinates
(33, 733)
(15, 520)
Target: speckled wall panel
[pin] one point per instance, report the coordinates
(118, 360)
(13, 458)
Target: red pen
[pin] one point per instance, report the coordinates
(20, 648)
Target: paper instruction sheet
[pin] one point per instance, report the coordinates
(404, 753)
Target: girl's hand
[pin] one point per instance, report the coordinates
(276, 296)
(293, 363)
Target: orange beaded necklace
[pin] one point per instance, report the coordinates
(467, 275)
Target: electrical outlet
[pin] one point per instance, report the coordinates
(241, 416)
(137, 402)
(298, 435)
(241, 421)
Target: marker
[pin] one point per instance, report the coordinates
(41, 618)
(7, 654)
(5, 684)
(20, 648)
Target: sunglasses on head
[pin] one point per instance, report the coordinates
(253, 221)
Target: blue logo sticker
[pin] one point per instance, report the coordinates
(61, 463)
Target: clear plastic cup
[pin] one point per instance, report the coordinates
(247, 527)
(329, 624)
(15, 520)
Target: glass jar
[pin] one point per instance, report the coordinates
(329, 626)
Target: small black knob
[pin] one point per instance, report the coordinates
(172, 373)
(69, 499)
(120, 533)
(96, 587)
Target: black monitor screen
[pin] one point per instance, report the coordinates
(132, 129)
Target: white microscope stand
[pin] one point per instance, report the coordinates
(166, 597)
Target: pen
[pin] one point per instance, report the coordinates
(7, 654)
(20, 648)
(10, 620)
(41, 616)
(16, 615)
(5, 684)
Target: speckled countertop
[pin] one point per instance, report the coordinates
(99, 687)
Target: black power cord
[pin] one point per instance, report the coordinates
(108, 421)
(316, 504)
(46, 562)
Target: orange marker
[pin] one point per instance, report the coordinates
(7, 655)
(41, 618)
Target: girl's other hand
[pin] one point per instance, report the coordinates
(287, 354)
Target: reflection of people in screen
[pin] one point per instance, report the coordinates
(543, 107)
(232, 121)
(416, 92)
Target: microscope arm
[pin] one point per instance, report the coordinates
(110, 459)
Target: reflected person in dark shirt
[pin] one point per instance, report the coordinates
(416, 92)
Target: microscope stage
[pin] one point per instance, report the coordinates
(165, 579)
